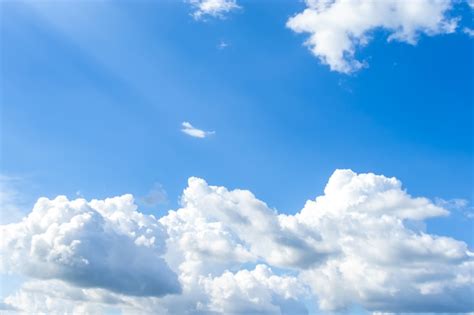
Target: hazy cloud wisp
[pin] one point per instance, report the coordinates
(192, 131)
(213, 8)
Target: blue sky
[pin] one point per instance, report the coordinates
(94, 94)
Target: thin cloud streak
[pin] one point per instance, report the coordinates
(192, 131)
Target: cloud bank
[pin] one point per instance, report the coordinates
(337, 28)
(226, 251)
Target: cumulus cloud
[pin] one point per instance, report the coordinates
(214, 8)
(234, 254)
(253, 292)
(337, 28)
(103, 244)
(192, 131)
(56, 297)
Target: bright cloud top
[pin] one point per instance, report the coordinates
(192, 131)
(230, 253)
(214, 8)
(338, 27)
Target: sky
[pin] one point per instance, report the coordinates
(283, 145)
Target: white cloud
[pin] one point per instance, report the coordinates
(458, 205)
(214, 8)
(56, 297)
(338, 27)
(468, 31)
(252, 292)
(235, 255)
(103, 244)
(195, 132)
(381, 264)
(222, 45)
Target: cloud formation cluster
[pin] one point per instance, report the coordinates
(337, 28)
(225, 251)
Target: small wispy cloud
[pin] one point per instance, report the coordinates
(458, 205)
(213, 8)
(222, 45)
(192, 131)
(156, 196)
(468, 31)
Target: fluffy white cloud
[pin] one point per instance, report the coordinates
(192, 131)
(244, 292)
(218, 229)
(381, 264)
(254, 292)
(104, 244)
(338, 27)
(56, 297)
(233, 254)
(214, 8)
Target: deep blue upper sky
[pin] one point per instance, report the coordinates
(93, 95)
